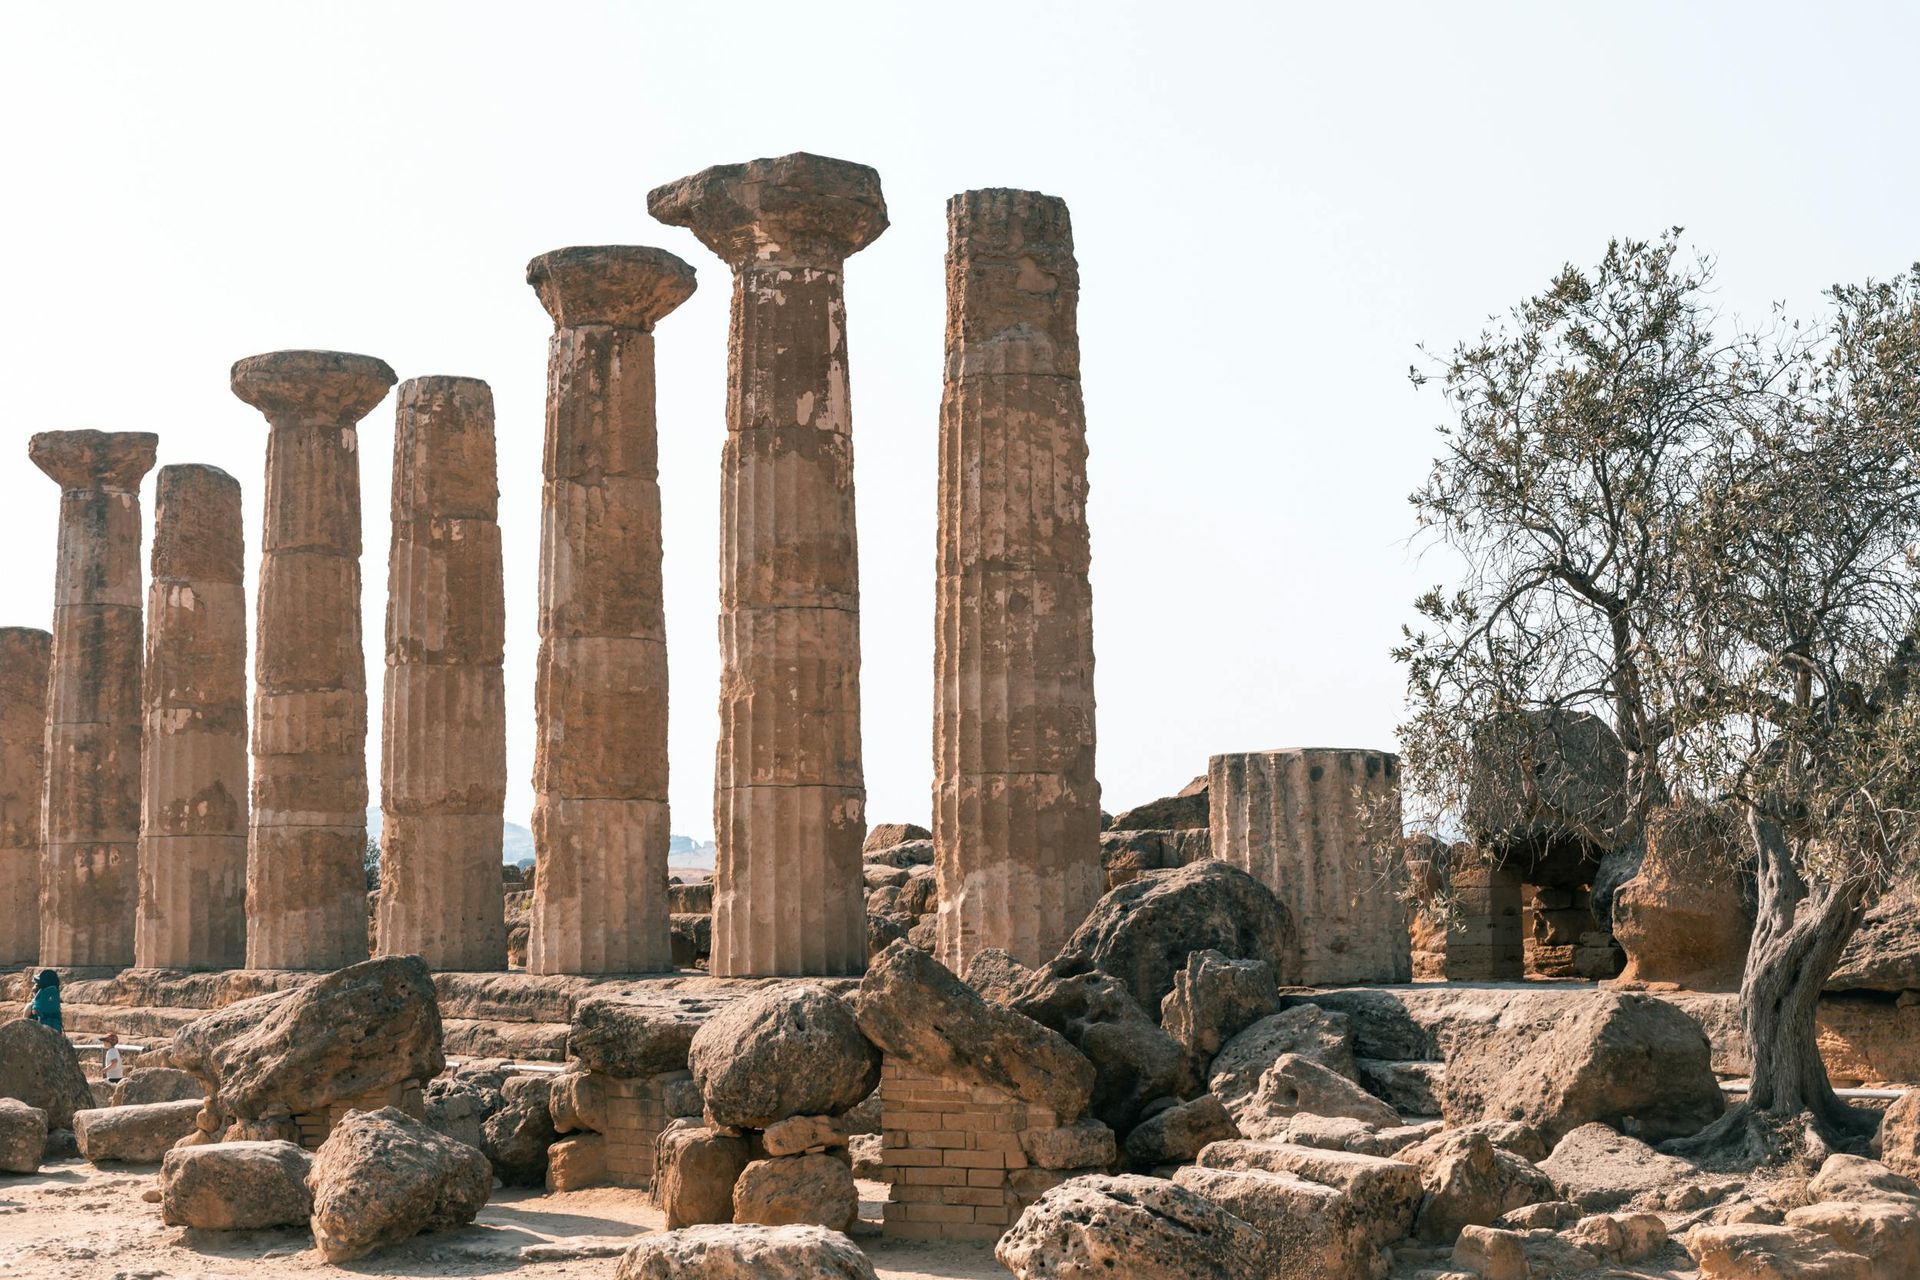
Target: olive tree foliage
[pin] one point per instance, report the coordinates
(1705, 536)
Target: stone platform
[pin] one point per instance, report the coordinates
(515, 1015)
(1867, 1038)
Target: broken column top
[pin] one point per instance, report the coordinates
(804, 209)
(443, 450)
(95, 459)
(1013, 286)
(1018, 222)
(623, 285)
(312, 386)
(197, 533)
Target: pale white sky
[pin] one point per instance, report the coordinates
(1273, 203)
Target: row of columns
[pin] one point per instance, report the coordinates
(272, 875)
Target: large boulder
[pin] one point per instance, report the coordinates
(1598, 1169)
(1385, 1193)
(1686, 916)
(885, 835)
(576, 1101)
(1134, 1061)
(791, 1050)
(1898, 1143)
(914, 1009)
(1756, 1251)
(137, 1134)
(458, 1103)
(1884, 952)
(1546, 775)
(1304, 1030)
(1138, 1227)
(1177, 1134)
(629, 1039)
(786, 1190)
(694, 1170)
(1638, 1065)
(1184, 810)
(39, 1067)
(1293, 1085)
(23, 1136)
(236, 1186)
(1885, 1232)
(382, 1177)
(745, 1253)
(1467, 1181)
(1213, 1000)
(1311, 1232)
(368, 1026)
(158, 1084)
(515, 1137)
(1143, 931)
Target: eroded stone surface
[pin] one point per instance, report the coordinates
(789, 791)
(443, 742)
(26, 656)
(306, 883)
(600, 701)
(1016, 803)
(1321, 828)
(193, 758)
(89, 884)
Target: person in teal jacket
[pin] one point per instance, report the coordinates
(44, 1008)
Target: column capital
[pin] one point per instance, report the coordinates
(95, 459)
(799, 209)
(307, 386)
(622, 285)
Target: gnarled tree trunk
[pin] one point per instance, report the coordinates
(1798, 936)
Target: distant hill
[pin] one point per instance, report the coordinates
(516, 844)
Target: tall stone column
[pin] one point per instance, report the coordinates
(25, 655)
(1016, 807)
(306, 886)
(1321, 828)
(193, 756)
(443, 757)
(789, 806)
(600, 773)
(88, 877)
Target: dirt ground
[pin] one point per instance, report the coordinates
(72, 1221)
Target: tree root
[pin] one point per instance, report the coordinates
(1745, 1139)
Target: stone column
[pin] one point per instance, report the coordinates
(25, 655)
(789, 790)
(443, 744)
(600, 773)
(1485, 936)
(306, 887)
(193, 756)
(88, 868)
(1016, 807)
(1321, 828)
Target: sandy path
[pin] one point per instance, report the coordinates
(72, 1221)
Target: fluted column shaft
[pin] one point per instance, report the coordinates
(600, 818)
(25, 657)
(306, 883)
(193, 818)
(789, 787)
(1321, 828)
(443, 759)
(88, 869)
(1016, 804)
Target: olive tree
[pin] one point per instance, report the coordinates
(1705, 538)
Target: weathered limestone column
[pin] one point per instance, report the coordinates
(306, 887)
(88, 876)
(193, 756)
(600, 773)
(789, 789)
(25, 656)
(1321, 828)
(1016, 806)
(443, 745)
